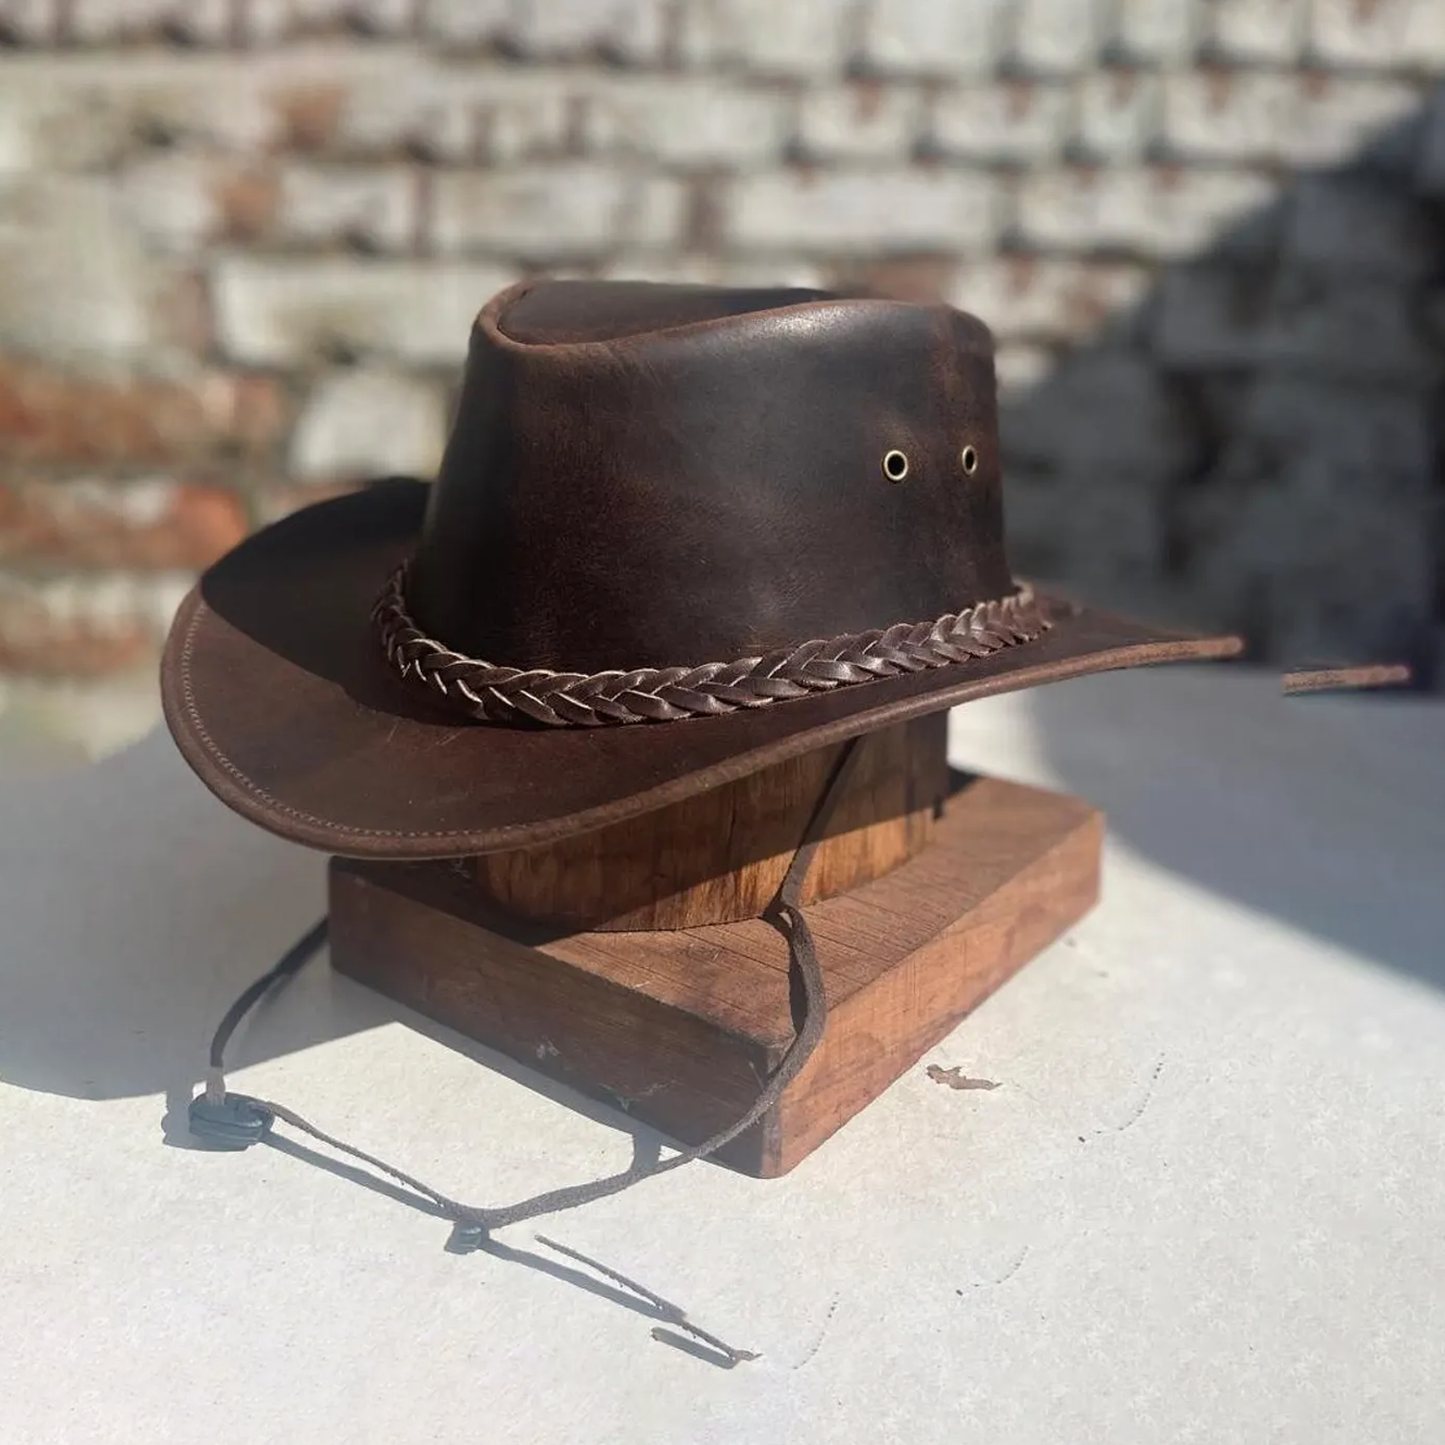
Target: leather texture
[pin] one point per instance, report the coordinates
(638, 476)
(279, 698)
(648, 476)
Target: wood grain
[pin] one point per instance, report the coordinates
(679, 1028)
(720, 855)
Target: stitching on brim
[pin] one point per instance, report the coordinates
(341, 830)
(254, 788)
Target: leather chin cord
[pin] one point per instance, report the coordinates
(237, 1120)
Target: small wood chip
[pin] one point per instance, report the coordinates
(956, 1079)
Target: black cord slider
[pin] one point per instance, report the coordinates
(232, 1121)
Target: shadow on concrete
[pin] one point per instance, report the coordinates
(136, 909)
(1325, 814)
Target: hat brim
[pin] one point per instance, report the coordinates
(279, 698)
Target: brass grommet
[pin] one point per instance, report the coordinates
(969, 457)
(895, 465)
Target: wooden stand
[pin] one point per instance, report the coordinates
(630, 962)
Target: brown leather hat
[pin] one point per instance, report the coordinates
(680, 533)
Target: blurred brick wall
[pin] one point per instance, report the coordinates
(241, 242)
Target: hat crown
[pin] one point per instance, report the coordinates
(643, 475)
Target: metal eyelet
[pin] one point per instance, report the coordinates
(969, 458)
(895, 466)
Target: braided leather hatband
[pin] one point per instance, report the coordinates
(490, 693)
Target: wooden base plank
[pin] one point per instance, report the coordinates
(680, 1028)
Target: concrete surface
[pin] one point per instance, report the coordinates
(1203, 1204)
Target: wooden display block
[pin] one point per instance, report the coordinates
(680, 1027)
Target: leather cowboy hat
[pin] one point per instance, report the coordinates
(679, 533)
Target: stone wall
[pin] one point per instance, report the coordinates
(241, 240)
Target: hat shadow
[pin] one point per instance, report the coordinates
(130, 929)
(1323, 814)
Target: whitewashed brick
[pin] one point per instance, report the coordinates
(318, 14)
(1068, 210)
(1110, 539)
(418, 108)
(49, 127)
(1239, 116)
(466, 22)
(412, 114)
(565, 210)
(1060, 424)
(458, 114)
(29, 22)
(801, 37)
(172, 200)
(1403, 34)
(1365, 329)
(1150, 211)
(1015, 297)
(366, 423)
(263, 22)
(374, 208)
(203, 22)
(1314, 513)
(1021, 121)
(1379, 433)
(553, 26)
(75, 279)
(1432, 315)
(1032, 505)
(1048, 300)
(1053, 36)
(928, 38)
(84, 111)
(643, 35)
(710, 270)
(525, 122)
(96, 22)
(382, 17)
(862, 121)
(1019, 368)
(664, 266)
(289, 311)
(1107, 541)
(88, 111)
(764, 270)
(657, 214)
(1357, 225)
(104, 602)
(1269, 31)
(1156, 29)
(843, 211)
(1337, 115)
(1210, 316)
(1431, 178)
(688, 120)
(634, 30)
(1356, 587)
(1118, 113)
(17, 137)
